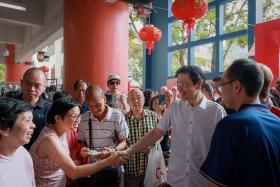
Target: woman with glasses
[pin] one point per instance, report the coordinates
(50, 152)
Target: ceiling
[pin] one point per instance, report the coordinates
(33, 29)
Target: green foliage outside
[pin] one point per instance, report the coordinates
(135, 50)
(2, 70)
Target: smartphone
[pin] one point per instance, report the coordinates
(161, 98)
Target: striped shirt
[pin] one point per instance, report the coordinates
(105, 133)
(136, 166)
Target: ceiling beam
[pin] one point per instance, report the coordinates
(33, 16)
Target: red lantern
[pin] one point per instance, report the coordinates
(189, 11)
(150, 34)
(45, 69)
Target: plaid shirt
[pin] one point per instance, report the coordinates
(136, 166)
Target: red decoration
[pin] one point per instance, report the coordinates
(189, 11)
(142, 12)
(45, 69)
(150, 34)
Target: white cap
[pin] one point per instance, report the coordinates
(113, 77)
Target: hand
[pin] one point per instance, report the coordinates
(105, 152)
(127, 152)
(119, 159)
(84, 152)
(122, 99)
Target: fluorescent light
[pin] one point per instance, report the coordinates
(13, 6)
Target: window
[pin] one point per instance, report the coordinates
(234, 49)
(204, 57)
(235, 16)
(178, 58)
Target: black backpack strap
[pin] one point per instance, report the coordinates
(90, 131)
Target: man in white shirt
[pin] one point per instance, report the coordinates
(193, 120)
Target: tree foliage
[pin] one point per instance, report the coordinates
(2, 70)
(135, 50)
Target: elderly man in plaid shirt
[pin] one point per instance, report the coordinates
(140, 121)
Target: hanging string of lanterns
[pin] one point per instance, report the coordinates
(189, 11)
(150, 34)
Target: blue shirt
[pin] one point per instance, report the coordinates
(245, 149)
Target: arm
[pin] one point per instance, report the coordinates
(125, 106)
(52, 148)
(121, 145)
(146, 141)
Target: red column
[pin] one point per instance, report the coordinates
(14, 71)
(267, 44)
(95, 42)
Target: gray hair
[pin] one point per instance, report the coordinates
(95, 89)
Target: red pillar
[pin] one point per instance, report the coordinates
(267, 45)
(14, 71)
(95, 42)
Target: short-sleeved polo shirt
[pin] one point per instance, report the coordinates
(245, 149)
(105, 133)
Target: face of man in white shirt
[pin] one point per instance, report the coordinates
(187, 89)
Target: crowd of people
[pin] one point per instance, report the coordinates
(224, 132)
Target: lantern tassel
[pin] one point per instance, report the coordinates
(188, 25)
(150, 46)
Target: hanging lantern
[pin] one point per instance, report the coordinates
(45, 69)
(189, 11)
(150, 34)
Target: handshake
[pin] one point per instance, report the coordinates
(113, 157)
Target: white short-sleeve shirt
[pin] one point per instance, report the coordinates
(192, 130)
(17, 170)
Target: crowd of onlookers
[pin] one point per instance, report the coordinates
(220, 132)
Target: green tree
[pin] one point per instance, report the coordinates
(2, 71)
(135, 49)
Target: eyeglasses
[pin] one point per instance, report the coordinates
(181, 84)
(220, 86)
(31, 84)
(114, 83)
(76, 118)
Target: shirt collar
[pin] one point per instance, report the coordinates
(39, 104)
(107, 116)
(131, 115)
(253, 106)
(201, 105)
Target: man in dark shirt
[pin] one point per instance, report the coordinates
(245, 148)
(33, 84)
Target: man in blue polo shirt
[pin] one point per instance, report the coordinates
(245, 148)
